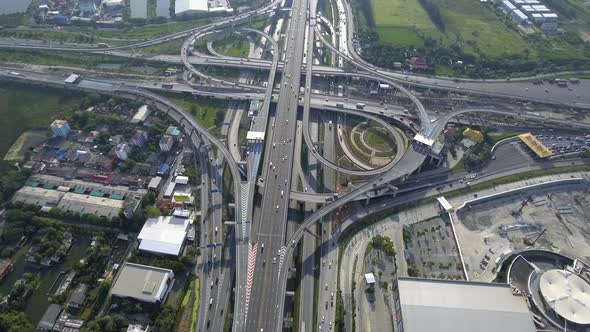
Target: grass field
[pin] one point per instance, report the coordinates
(232, 45)
(203, 109)
(26, 140)
(23, 108)
(195, 314)
(152, 30)
(378, 139)
(468, 23)
(89, 61)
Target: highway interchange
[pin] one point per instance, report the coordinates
(261, 230)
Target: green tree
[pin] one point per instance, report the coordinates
(152, 211)
(14, 322)
(166, 318)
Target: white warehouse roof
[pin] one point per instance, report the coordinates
(142, 113)
(508, 4)
(190, 6)
(461, 306)
(163, 235)
(181, 179)
(520, 14)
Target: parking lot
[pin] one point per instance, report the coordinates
(565, 144)
(431, 250)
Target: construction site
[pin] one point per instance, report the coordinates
(555, 219)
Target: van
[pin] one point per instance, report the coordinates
(216, 230)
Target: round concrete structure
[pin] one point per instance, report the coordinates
(567, 294)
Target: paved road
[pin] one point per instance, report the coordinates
(328, 248)
(270, 224)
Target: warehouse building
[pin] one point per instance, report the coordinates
(457, 306)
(79, 196)
(508, 6)
(38, 196)
(163, 235)
(89, 204)
(143, 283)
(520, 17)
(141, 115)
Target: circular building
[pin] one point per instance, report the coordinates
(567, 294)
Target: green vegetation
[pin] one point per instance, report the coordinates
(496, 137)
(61, 36)
(166, 318)
(195, 313)
(15, 322)
(105, 62)
(460, 166)
(177, 264)
(172, 47)
(150, 31)
(10, 181)
(23, 108)
(340, 313)
(382, 243)
(377, 138)
(208, 112)
(231, 44)
(488, 43)
(106, 324)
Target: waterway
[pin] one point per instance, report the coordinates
(13, 6)
(38, 302)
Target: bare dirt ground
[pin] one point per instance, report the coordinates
(558, 221)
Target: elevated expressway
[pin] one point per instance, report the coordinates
(405, 166)
(517, 89)
(270, 219)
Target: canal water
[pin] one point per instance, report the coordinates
(13, 6)
(38, 302)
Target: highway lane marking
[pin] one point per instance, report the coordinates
(268, 235)
(253, 250)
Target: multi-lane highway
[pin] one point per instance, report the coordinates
(264, 252)
(270, 219)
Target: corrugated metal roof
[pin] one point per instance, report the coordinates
(461, 306)
(141, 282)
(117, 197)
(163, 235)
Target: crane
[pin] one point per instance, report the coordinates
(517, 211)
